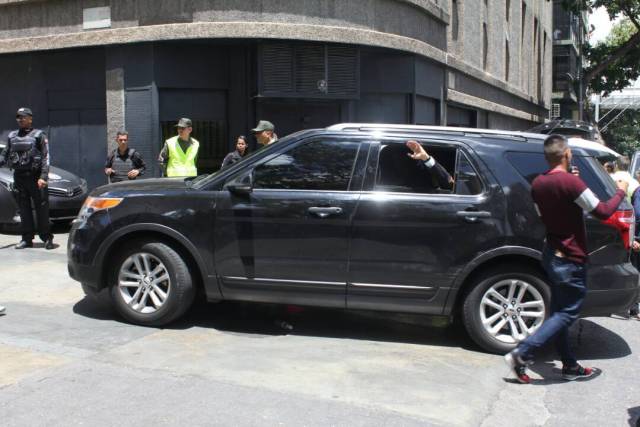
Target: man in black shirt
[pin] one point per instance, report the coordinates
(123, 163)
(27, 153)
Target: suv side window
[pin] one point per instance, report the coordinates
(530, 165)
(467, 182)
(317, 165)
(399, 173)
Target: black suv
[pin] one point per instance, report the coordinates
(343, 217)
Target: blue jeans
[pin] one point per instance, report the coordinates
(568, 289)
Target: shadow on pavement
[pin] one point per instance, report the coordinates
(95, 308)
(589, 341)
(634, 416)
(258, 320)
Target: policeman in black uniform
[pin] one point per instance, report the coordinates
(27, 153)
(124, 163)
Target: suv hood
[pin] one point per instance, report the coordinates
(142, 186)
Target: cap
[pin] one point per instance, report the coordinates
(262, 126)
(24, 112)
(184, 123)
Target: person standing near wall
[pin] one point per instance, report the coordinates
(179, 155)
(237, 154)
(27, 153)
(123, 163)
(265, 133)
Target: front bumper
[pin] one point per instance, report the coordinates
(65, 207)
(85, 238)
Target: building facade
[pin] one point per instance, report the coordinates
(569, 35)
(90, 67)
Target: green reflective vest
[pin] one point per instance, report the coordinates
(181, 163)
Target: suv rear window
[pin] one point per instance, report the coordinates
(530, 165)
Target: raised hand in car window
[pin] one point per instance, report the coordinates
(417, 151)
(445, 181)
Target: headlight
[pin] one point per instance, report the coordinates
(95, 204)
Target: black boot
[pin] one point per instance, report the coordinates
(48, 244)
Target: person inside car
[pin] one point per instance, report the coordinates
(443, 179)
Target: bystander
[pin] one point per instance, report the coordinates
(560, 198)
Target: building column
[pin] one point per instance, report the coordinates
(115, 96)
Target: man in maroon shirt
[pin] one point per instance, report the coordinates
(560, 198)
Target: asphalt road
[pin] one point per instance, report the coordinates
(66, 360)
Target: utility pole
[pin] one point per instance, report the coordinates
(579, 71)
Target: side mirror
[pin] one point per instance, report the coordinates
(241, 186)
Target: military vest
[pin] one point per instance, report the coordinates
(24, 154)
(121, 167)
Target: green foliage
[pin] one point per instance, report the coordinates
(624, 134)
(615, 62)
(615, 8)
(619, 73)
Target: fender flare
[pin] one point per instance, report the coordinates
(485, 257)
(155, 228)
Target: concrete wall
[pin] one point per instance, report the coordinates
(420, 20)
(530, 71)
(420, 27)
(66, 91)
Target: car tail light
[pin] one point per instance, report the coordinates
(624, 221)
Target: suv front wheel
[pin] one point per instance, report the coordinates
(151, 284)
(505, 306)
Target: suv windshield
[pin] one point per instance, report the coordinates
(199, 182)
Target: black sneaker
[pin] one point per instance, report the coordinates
(518, 366)
(577, 372)
(24, 244)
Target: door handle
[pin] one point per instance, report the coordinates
(473, 216)
(324, 212)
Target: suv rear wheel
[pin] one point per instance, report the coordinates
(505, 306)
(151, 284)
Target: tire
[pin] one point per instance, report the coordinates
(163, 273)
(11, 229)
(498, 329)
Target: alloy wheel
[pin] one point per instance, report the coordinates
(511, 310)
(144, 283)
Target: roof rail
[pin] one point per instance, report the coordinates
(435, 129)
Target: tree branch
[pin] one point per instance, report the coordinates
(632, 18)
(613, 57)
